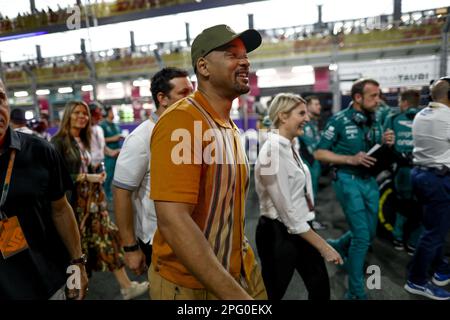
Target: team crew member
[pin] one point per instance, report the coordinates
(310, 139)
(407, 223)
(346, 139)
(199, 180)
(113, 137)
(308, 143)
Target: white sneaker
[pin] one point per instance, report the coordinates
(135, 290)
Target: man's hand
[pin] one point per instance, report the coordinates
(361, 159)
(79, 294)
(389, 137)
(135, 261)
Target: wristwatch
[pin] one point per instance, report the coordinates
(131, 248)
(81, 260)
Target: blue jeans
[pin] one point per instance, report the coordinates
(433, 192)
(359, 200)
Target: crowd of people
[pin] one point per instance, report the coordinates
(179, 183)
(25, 21)
(298, 33)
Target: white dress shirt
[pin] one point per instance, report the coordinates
(97, 144)
(431, 136)
(133, 173)
(280, 183)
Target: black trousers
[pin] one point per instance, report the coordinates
(281, 253)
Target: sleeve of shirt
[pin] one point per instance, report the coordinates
(329, 136)
(279, 190)
(448, 131)
(175, 176)
(101, 137)
(132, 163)
(308, 139)
(59, 177)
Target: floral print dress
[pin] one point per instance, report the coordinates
(99, 235)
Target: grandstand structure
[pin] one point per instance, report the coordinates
(415, 36)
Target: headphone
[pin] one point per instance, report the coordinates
(361, 119)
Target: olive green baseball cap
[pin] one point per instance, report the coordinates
(219, 35)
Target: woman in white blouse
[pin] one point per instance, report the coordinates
(284, 237)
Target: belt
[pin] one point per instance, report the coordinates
(441, 171)
(363, 176)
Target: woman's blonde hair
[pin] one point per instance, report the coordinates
(283, 103)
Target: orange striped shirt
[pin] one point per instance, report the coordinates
(183, 171)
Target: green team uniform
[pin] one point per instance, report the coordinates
(309, 141)
(383, 111)
(347, 133)
(110, 129)
(401, 124)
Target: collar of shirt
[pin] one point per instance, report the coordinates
(12, 140)
(280, 139)
(198, 96)
(154, 117)
(434, 104)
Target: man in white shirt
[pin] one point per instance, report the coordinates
(132, 174)
(98, 145)
(431, 185)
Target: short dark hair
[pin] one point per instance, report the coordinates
(411, 96)
(358, 86)
(17, 116)
(160, 81)
(95, 105)
(310, 98)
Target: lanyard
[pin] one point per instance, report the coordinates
(308, 198)
(5, 190)
(300, 165)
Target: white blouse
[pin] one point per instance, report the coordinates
(280, 183)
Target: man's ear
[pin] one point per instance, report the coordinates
(202, 67)
(162, 99)
(358, 98)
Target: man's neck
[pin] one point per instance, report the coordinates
(444, 102)
(357, 107)
(160, 111)
(221, 104)
(312, 116)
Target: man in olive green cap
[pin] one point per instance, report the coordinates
(199, 249)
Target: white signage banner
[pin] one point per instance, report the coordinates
(392, 73)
